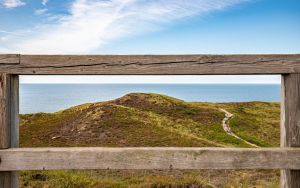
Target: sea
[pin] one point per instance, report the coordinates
(54, 97)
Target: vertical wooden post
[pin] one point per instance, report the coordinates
(290, 124)
(9, 122)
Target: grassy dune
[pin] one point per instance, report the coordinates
(151, 120)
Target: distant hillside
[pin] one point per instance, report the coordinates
(151, 120)
(256, 122)
(140, 119)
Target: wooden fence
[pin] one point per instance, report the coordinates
(13, 159)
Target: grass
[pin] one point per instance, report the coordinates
(151, 120)
(145, 179)
(256, 122)
(110, 179)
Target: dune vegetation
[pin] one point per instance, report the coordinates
(140, 119)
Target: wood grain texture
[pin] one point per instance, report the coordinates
(290, 124)
(8, 123)
(4, 111)
(9, 59)
(5, 177)
(14, 122)
(148, 158)
(154, 64)
(14, 111)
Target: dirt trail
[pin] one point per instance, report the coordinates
(227, 129)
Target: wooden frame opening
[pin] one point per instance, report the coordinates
(286, 158)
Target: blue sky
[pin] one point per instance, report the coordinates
(150, 27)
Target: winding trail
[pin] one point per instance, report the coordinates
(227, 129)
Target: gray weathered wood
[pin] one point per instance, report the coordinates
(14, 122)
(4, 111)
(14, 110)
(9, 59)
(154, 64)
(148, 158)
(8, 123)
(290, 124)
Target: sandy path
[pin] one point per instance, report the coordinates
(227, 129)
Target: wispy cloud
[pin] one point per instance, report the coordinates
(12, 3)
(44, 2)
(11, 33)
(92, 23)
(40, 11)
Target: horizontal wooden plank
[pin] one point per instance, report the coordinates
(154, 64)
(149, 158)
(9, 59)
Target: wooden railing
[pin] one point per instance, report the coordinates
(286, 158)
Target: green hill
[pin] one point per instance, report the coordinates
(139, 119)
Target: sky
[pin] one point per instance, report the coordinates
(150, 27)
(170, 79)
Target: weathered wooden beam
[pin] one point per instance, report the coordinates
(9, 59)
(290, 124)
(14, 111)
(4, 111)
(148, 158)
(154, 64)
(9, 123)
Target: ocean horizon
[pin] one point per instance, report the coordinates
(36, 98)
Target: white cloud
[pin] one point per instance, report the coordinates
(7, 32)
(12, 3)
(44, 2)
(40, 11)
(92, 23)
